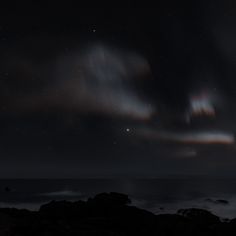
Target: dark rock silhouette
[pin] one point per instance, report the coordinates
(109, 214)
(7, 189)
(218, 201)
(222, 201)
(199, 216)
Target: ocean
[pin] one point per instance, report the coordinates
(156, 195)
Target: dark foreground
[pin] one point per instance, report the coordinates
(109, 214)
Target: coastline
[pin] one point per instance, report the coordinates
(109, 214)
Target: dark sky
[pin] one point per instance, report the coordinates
(137, 92)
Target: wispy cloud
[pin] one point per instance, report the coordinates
(200, 137)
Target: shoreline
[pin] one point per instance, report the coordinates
(109, 214)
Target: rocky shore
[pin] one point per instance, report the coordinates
(109, 214)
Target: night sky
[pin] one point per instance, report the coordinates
(107, 92)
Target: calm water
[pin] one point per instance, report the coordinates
(156, 195)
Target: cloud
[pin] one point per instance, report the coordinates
(200, 137)
(102, 81)
(186, 153)
(201, 104)
(98, 79)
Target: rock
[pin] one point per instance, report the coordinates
(218, 201)
(222, 201)
(199, 216)
(112, 198)
(7, 189)
(109, 214)
(209, 200)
